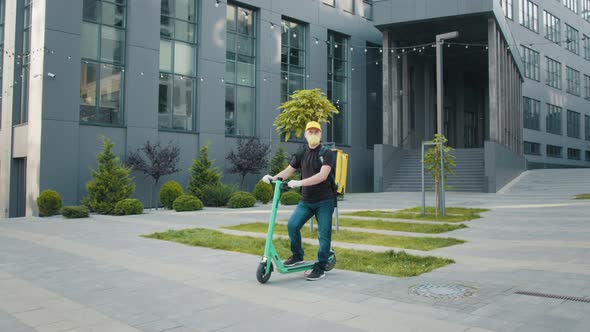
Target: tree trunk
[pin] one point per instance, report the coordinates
(437, 196)
(155, 192)
(242, 182)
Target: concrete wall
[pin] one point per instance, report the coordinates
(386, 161)
(67, 149)
(501, 166)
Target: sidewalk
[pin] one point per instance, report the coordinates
(97, 274)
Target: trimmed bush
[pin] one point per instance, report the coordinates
(187, 203)
(263, 192)
(128, 206)
(290, 198)
(49, 203)
(217, 195)
(169, 192)
(241, 199)
(71, 212)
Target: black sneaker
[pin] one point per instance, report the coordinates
(316, 274)
(292, 261)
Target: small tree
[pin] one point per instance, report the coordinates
(432, 162)
(251, 157)
(160, 161)
(304, 106)
(202, 173)
(279, 161)
(110, 183)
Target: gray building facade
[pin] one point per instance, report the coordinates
(191, 72)
(553, 38)
(539, 120)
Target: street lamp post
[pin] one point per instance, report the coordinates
(439, 108)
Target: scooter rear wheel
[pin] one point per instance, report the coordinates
(331, 261)
(261, 274)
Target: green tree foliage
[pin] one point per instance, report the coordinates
(202, 173)
(304, 106)
(432, 163)
(110, 183)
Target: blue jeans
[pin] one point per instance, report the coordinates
(323, 210)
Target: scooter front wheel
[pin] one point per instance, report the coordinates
(262, 275)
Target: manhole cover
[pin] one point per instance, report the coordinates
(446, 292)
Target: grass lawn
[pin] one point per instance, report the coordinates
(399, 226)
(583, 196)
(454, 214)
(395, 264)
(406, 242)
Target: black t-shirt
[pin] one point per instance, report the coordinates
(321, 191)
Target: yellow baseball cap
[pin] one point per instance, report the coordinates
(313, 124)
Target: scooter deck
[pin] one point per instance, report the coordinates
(307, 265)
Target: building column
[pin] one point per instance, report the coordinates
(387, 92)
(406, 88)
(493, 79)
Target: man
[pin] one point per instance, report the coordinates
(317, 199)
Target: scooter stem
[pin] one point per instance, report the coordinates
(273, 216)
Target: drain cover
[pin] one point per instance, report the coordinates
(446, 292)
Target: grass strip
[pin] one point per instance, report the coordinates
(406, 242)
(394, 264)
(399, 226)
(583, 196)
(454, 214)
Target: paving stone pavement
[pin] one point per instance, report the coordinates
(98, 274)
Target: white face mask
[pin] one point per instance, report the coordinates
(313, 139)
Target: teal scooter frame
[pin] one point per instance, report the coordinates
(265, 268)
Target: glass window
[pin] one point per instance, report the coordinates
(586, 40)
(587, 127)
(532, 148)
(240, 71)
(368, 9)
(573, 124)
(293, 53)
(552, 27)
(553, 124)
(554, 151)
(572, 42)
(573, 81)
(586, 86)
(586, 9)
(553, 73)
(532, 113)
(587, 155)
(574, 154)
(23, 110)
(1, 46)
(571, 5)
(507, 8)
(529, 15)
(338, 86)
(178, 64)
(347, 5)
(103, 60)
(531, 60)
(329, 2)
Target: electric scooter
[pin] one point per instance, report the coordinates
(266, 267)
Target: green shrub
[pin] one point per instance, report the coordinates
(128, 206)
(49, 203)
(290, 198)
(187, 203)
(202, 173)
(110, 183)
(217, 195)
(241, 199)
(263, 192)
(75, 211)
(169, 192)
